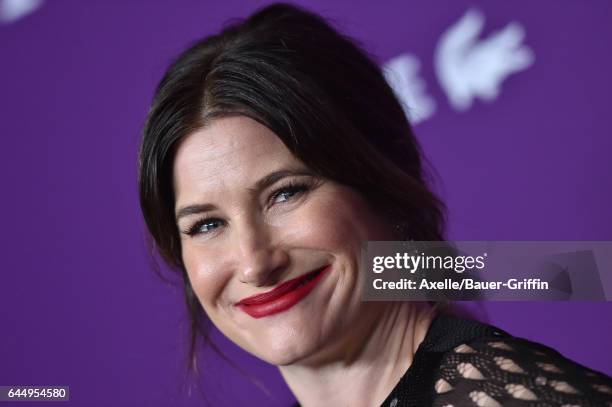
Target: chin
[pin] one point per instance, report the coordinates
(286, 345)
(283, 358)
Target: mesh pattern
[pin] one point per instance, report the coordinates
(509, 371)
(466, 363)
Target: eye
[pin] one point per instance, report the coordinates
(286, 193)
(204, 226)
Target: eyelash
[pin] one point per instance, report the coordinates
(296, 188)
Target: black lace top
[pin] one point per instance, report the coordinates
(468, 363)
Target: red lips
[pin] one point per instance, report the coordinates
(282, 297)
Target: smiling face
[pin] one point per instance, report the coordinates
(253, 219)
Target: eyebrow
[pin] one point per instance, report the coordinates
(260, 185)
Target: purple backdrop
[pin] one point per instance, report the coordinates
(526, 159)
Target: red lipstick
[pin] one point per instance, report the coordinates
(282, 297)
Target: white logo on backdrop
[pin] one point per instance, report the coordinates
(402, 74)
(13, 10)
(466, 67)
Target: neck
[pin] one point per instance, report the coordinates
(364, 365)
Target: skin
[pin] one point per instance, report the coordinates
(250, 238)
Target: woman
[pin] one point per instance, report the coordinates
(271, 152)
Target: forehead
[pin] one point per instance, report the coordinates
(231, 151)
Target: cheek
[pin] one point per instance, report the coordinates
(338, 220)
(337, 230)
(204, 274)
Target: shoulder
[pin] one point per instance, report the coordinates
(498, 369)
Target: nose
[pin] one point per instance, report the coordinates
(260, 259)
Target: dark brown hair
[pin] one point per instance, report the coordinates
(318, 92)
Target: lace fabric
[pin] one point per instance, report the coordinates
(515, 372)
(478, 365)
(465, 363)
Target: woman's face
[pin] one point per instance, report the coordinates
(271, 250)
